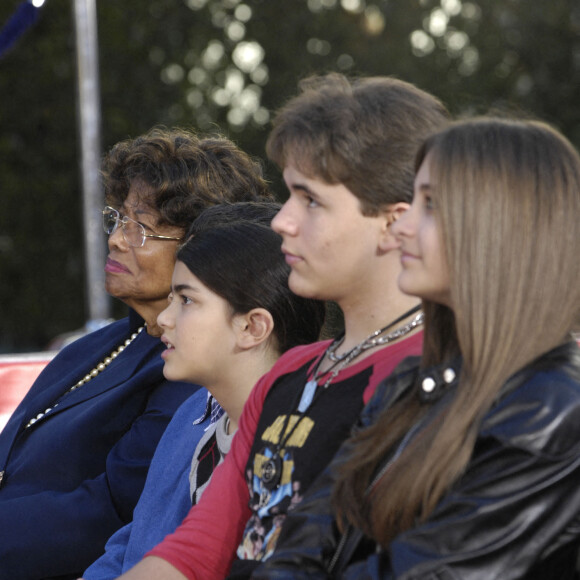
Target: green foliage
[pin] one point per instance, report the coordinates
(224, 66)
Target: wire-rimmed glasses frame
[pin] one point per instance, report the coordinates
(133, 232)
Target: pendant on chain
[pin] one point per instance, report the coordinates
(272, 472)
(307, 395)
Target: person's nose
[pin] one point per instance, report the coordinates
(164, 318)
(117, 239)
(284, 222)
(403, 226)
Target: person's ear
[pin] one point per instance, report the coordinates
(253, 328)
(391, 214)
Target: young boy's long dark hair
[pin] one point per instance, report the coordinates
(243, 263)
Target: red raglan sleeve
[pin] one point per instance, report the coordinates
(205, 544)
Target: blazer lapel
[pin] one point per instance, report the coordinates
(118, 372)
(67, 368)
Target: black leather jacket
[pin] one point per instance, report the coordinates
(515, 513)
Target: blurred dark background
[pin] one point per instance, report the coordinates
(225, 65)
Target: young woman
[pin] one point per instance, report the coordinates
(467, 464)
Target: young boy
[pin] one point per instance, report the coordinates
(347, 152)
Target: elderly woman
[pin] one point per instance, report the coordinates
(75, 453)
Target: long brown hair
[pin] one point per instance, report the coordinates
(507, 197)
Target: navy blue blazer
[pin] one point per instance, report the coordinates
(73, 478)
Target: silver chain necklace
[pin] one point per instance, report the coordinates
(341, 361)
(272, 468)
(375, 339)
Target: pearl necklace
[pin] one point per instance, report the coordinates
(91, 375)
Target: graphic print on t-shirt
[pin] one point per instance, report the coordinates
(258, 542)
(308, 444)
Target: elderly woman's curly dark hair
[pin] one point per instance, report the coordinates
(176, 163)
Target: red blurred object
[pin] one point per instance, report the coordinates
(17, 373)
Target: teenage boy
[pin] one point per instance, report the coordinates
(347, 152)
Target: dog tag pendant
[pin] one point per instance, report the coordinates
(307, 396)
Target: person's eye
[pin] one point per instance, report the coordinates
(185, 300)
(310, 201)
(429, 203)
(146, 227)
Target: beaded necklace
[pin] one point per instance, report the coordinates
(90, 375)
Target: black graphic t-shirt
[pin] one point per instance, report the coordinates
(251, 511)
(312, 442)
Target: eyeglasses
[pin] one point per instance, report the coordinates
(133, 232)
